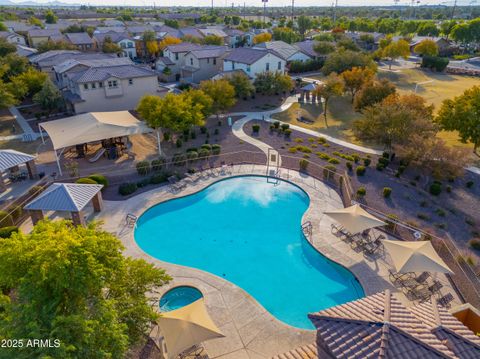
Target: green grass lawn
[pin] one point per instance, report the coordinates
(441, 87)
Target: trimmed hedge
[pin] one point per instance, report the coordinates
(143, 168)
(86, 180)
(100, 179)
(435, 63)
(158, 164)
(6, 232)
(127, 188)
(310, 65)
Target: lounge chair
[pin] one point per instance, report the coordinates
(130, 219)
(340, 231)
(192, 177)
(435, 287)
(446, 300)
(175, 185)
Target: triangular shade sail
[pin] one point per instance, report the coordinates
(415, 256)
(187, 326)
(355, 219)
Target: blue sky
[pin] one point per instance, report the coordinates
(253, 2)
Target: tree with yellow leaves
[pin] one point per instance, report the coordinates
(168, 40)
(263, 37)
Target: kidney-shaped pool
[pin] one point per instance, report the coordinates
(248, 231)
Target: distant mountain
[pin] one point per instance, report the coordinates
(35, 3)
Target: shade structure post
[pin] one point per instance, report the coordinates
(32, 169)
(78, 219)
(36, 215)
(158, 142)
(41, 133)
(97, 202)
(58, 163)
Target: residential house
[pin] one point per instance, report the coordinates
(19, 27)
(445, 47)
(12, 37)
(109, 88)
(26, 51)
(236, 38)
(253, 61)
(191, 32)
(113, 23)
(176, 54)
(81, 40)
(102, 29)
(122, 39)
(37, 36)
(286, 51)
(139, 30)
(307, 48)
(380, 326)
(203, 63)
(215, 31)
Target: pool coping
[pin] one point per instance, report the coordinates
(251, 331)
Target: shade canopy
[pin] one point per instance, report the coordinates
(91, 127)
(415, 256)
(355, 219)
(187, 326)
(12, 158)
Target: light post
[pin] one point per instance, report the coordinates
(264, 10)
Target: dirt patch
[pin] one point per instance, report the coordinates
(8, 124)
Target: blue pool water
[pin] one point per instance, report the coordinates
(247, 231)
(179, 297)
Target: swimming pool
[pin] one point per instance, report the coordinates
(247, 231)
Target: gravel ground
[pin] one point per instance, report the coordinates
(410, 200)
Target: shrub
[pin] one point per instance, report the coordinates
(380, 167)
(434, 63)
(216, 149)
(158, 164)
(100, 179)
(367, 161)
(203, 153)
(285, 126)
(256, 128)
(272, 128)
(298, 140)
(384, 161)
(391, 221)
(474, 242)
(276, 124)
(127, 188)
(356, 157)
(292, 150)
(448, 189)
(6, 232)
(303, 165)
(35, 190)
(179, 159)
(435, 188)
(361, 192)
(440, 212)
(143, 168)
(179, 143)
(333, 161)
(159, 178)
(85, 180)
(423, 216)
(192, 155)
(323, 156)
(287, 132)
(386, 155)
(203, 130)
(322, 140)
(144, 182)
(469, 184)
(304, 149)
(207, 146)
(349, 165)
(387, 191)
(360, 170)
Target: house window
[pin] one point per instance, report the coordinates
(100, 84)
(279, 65)
(85, 86)
(248, 68)
(122, 45)
(214, 60)
(176, 56)
(130, 45)
(112, 84)
(130, 81)
(267, 66)
(94, 86)
(191, 61)
(208, 60)
(233, 65)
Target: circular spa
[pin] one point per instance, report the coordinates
(179, 297)
(247, 230)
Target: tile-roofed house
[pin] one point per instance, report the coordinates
(12, 37)
(203, 63)
(176, 54)
(253, 61)
(108, 88)
(190, 31)
(19, 26)
(122, 39)
(380, 326)
(285, 51)
(235, 37)
(81, 40)
(26, 51)
(139, 29)
(214, 32)
(37, 36)
(307, 48)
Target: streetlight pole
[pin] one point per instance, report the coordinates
(264, 10)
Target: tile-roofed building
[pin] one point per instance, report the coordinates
(139, 29)
(253, 61)
(190, 31)
(203, 63)
(213, 32)
(81, 40)
(176, 54)
(307, 48)
(105, 72)
(37, 36)
(26, 51)
(285, 51)
(19, 26)
(379, 326)
(12, 37)
(122, 39)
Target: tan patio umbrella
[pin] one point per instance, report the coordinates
(187, 326)
(415, 256)
(355, 219)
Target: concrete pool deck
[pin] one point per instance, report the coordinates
(250, 331)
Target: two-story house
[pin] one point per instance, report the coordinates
(12, 37)
(37, 36)
(203, 63)
(253, 61)
(122, 39)
(176, 55)
(111, 88)
(81, 40)
(286, 51)
(236, 38)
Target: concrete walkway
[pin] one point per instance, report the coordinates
(28, 133)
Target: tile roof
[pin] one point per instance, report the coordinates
(183, 47)
(103, 73)
(306, 352)
(12, 158)
(246, 55)
(306, 47)
(209, 51)
(190, 31)
(92, 62)
(234, 32)
(215, 32)
(44, 32)
(70, 197)
(79, 38)
(284, 50)
(376, 324)
(166, 61)
(25, 50)
(58, 59)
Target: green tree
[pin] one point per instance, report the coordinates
(428, 28)
(50, 17)
(396, 49)
(304, 24)
(332, 86)
(285, 34)
(462, 114)
(426, 47)
(213, 40)
(342, 60)
(49, 97)
(3, 27)
(373, 92)
(201, 100)
(282, 83)
(109, 47)
(221, 92)
(28, 83)
(55, 45)
(242, 85)
(91, 297)
(356, 78)
(32, 20)
(7, 99)
(12, 65)
(6, 47)
(323, 47)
